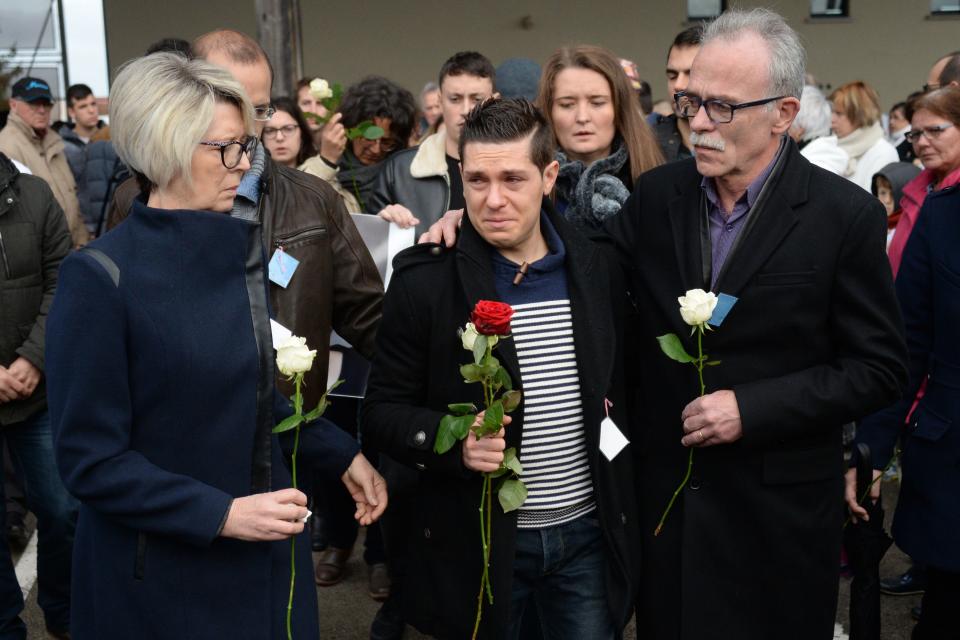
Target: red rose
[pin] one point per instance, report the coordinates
(492, 318)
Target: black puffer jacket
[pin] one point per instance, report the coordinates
(34, 239)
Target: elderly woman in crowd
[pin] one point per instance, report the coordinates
(856, 123)
(604, 143)
(927, 520)
(287, 135)
(935, 135)
(811, 131)
(161, 386)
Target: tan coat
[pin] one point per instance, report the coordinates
(46, 159)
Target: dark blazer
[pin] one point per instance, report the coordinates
(927, 522)
(161, 393)
(34, 240)
(750, 550)
(414, 377)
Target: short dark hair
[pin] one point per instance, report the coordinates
(911, 103)
(645, 96)
(377, 97)
(171, 45)
(508, 119)
(689, 37)
(290, 106)
(900, 106)
(951, 70)
(77, 92)
(468, 63)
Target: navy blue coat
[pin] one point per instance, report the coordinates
(927, 521)
(160, 379)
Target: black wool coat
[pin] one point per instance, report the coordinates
(416, 374)
(751, 549)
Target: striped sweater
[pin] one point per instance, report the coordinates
(553, 449)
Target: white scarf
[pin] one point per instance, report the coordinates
(858, 143)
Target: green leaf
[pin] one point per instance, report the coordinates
(445, 438)
(471, 372)
(511, 495)
(489, 369)
(461, 425)
(288, 423)
(317, 411)
(511, 461)
(373, 133)
(479, 348)
(462, 408)
(511, 399)
(492, 419)
(712, 363)
(671, 346)
(503, 379)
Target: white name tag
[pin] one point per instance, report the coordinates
(612, 440)
(279, 332)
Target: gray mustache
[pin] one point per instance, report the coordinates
(700, 140)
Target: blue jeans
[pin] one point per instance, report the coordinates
(31, 448)
(560, 572)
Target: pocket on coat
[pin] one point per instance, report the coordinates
(300, 237)
(785, 278)
(928, 425)
(140, 561)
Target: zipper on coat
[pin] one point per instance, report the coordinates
(446, 178)
(3, 254)
(299, 235)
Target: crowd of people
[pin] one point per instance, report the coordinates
(139, 392)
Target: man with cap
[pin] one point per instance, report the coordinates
(27, 137)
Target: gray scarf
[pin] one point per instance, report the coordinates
(592, 193)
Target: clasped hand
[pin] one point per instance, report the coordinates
(711, 419)
(19, 380)
(484, 454)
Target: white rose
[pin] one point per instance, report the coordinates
(469, 336)
(697, 306)
(320, 89)
(294, 357)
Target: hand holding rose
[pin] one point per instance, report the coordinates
(712, 419)
(484, 454)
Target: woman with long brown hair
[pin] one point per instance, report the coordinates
(604, 143)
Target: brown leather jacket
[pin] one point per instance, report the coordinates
(336, 285)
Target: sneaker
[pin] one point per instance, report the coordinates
(910, 583)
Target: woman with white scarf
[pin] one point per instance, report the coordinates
(856, 123)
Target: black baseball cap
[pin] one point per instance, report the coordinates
(31, 90)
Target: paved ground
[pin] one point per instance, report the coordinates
(346, 610)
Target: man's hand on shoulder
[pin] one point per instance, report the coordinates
(444, 230)
(712, 419)
(399, 215)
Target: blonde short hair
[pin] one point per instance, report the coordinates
(859, 102)
(161, 106)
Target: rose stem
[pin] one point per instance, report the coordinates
(298, 407)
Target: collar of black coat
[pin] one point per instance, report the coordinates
(472, 246)
(770, 222)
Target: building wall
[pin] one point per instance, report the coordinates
(888, 43)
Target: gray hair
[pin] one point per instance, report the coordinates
(788, 58)
(430, 87)
(814, 115)
(161, 106)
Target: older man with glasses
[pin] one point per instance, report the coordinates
(812, 339)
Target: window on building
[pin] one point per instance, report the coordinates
(705, 9)
(30, 38)
(940, 7)
(829, 8)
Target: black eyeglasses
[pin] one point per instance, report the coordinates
(232, 151)
(263, 112)
(931, 86)
(932, 133)
(718, 111)
(287, 131)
